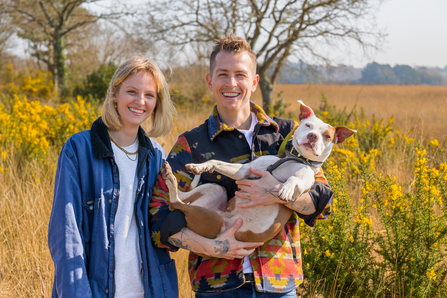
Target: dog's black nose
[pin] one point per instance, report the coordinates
(312, 137)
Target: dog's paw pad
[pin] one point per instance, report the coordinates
(168, 176)
(194, 168)
(165, 170)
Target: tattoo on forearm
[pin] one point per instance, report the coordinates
(302, 207)
(178, 243)
(221, 247)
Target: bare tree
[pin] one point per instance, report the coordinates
(45, 24)
(6, 27)
(275, 29)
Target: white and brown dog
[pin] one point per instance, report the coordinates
(206, 209)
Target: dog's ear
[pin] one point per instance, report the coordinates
(305, 111)
(342, 133)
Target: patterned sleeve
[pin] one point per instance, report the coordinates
(163, 222)
(321, 195)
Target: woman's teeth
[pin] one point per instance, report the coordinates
(136, 111)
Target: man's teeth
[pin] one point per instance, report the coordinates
(136, 111)
(231, 94)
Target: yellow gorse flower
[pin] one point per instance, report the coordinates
(31, 128)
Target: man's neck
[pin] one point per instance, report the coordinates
(238, 119)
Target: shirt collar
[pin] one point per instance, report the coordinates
(215, 126)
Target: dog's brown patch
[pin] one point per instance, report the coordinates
(193, 197)
(330, 131)
(282, 155)
(281, 219)
(230, 205)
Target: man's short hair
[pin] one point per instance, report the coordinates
(231, 44)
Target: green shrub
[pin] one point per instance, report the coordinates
(94, 86)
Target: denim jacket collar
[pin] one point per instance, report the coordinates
(215, 126)
(101, 145)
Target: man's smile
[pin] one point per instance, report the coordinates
(231, 94)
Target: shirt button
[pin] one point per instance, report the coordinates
(110, 201)
(107, 290)
(218, 177)
(240, 136)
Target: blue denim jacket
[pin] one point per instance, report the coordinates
(81, 229)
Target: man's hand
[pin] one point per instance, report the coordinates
(224, 246)
(260, 192)
(265, 191)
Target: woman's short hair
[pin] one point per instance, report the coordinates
(164, 112)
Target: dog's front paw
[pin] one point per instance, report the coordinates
(198, 169)
(286, 193)
(290, 190)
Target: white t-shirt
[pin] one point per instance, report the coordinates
(249, 137)
(128, 278)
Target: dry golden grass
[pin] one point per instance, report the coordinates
(421, 107)
(26, 268)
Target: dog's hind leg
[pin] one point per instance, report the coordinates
(203, 221)
(235, 171)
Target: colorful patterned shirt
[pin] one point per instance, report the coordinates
(277, 264)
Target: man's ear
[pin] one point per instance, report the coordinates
(208, 81)
(255, 83)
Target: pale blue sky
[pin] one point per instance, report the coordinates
(417, 34)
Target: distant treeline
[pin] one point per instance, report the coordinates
(373, 74)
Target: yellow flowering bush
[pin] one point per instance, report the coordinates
(29, 129)
(31, 83)
(392, 240)
(413, 227)
(338, 250)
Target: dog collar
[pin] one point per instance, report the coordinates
(292, 152)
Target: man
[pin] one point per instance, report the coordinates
(237, 131)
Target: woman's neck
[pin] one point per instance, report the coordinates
(125, 136)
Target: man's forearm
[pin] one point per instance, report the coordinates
(191, 241)
(224, 246)
(303, 204)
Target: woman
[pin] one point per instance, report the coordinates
(98, 233)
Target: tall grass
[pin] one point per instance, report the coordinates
(26, 198)
(344, 256)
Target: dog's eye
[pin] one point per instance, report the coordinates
(308, 125)
(327, 136)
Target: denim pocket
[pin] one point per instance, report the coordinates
(90, 218)
(169, 280)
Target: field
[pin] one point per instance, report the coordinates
(386, 237)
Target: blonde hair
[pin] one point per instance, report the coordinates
(164, 112)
